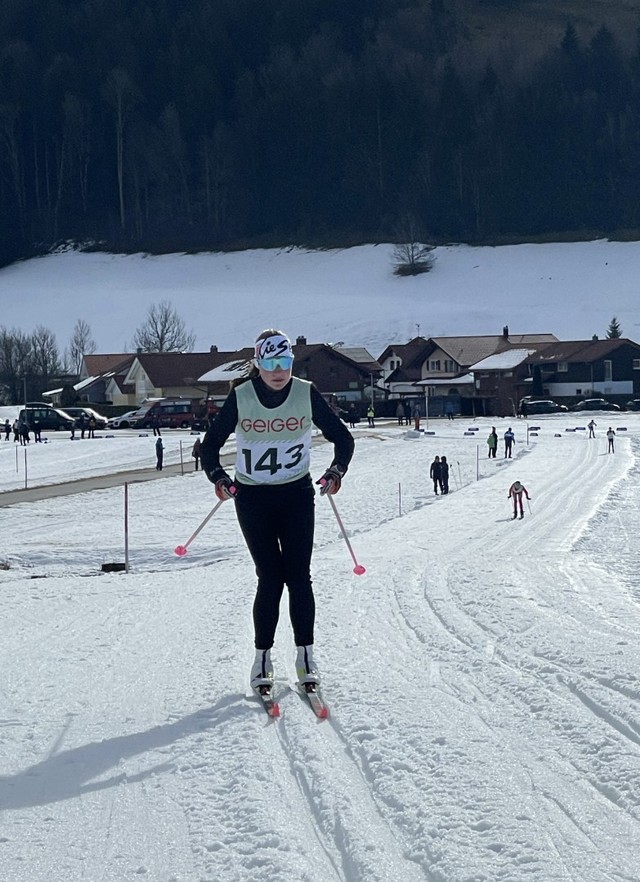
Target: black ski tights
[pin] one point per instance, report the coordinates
(277, 523)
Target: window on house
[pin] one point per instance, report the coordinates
(449, 366)
(636, 364)
(608, 370)
(434, 365)
(563, 367)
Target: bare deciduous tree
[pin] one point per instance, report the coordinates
(80, 344)
(163, 331)
(15, 356)
(45, 356)
(412, 256)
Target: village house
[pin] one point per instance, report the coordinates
(440, 369)
(574, 369)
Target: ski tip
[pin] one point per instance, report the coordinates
(275, 711)
(323, 713)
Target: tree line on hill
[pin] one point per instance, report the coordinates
(159, 125)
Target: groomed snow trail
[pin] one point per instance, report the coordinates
(482, 677)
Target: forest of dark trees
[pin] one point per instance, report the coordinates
(169, 125)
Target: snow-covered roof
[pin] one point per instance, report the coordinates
(502, 361)
(464, 380)
(230, 370)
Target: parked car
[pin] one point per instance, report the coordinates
(47, 418)
(174, 413)
(542, 406)
(595, 404)
(634, 404)
(123, 421)
(87, 412)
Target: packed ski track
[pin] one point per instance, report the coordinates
(483, 676)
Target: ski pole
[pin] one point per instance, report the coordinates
(181, 550)
(358, 568)
(529, 506)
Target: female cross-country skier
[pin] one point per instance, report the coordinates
(272, 414)
(516, 490)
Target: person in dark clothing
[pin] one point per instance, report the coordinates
(82, 424)
(196, 453)
(159, 454)
(407, 413)
(155, 425)
(492, 442)
(509, 438)
(444, 475)
(92, 427)
(7, 430)
(272, 414)
(434, 474)
(37, 432)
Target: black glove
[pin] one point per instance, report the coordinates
(331, 481)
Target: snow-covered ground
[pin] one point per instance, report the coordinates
(483, 676)
(572, 290)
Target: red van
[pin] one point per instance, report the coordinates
(174, 413)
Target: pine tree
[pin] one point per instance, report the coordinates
(614, 330)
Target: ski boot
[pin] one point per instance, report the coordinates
(262, 672)
(306, 668)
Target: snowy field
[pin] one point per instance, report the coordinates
(572, 290)
(483, 676)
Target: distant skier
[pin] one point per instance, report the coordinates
(610, 436)
(591, 426)
(516, 491)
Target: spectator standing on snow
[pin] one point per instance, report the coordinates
(82, 424)
(352, 416)
(92, 427)
(7, 430)
(444, 475)
(591, 426)
(509, 438)
(155, 425)
(416, 417)
(492, 443)
(272, 414)
(196, 453)
(407, 413)
(400, 413)
(371, 416)
(516, 491)
(435, 473)
(159, 454)
(24, 432)
(37, 432)
(610, 436)
(16, 431)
